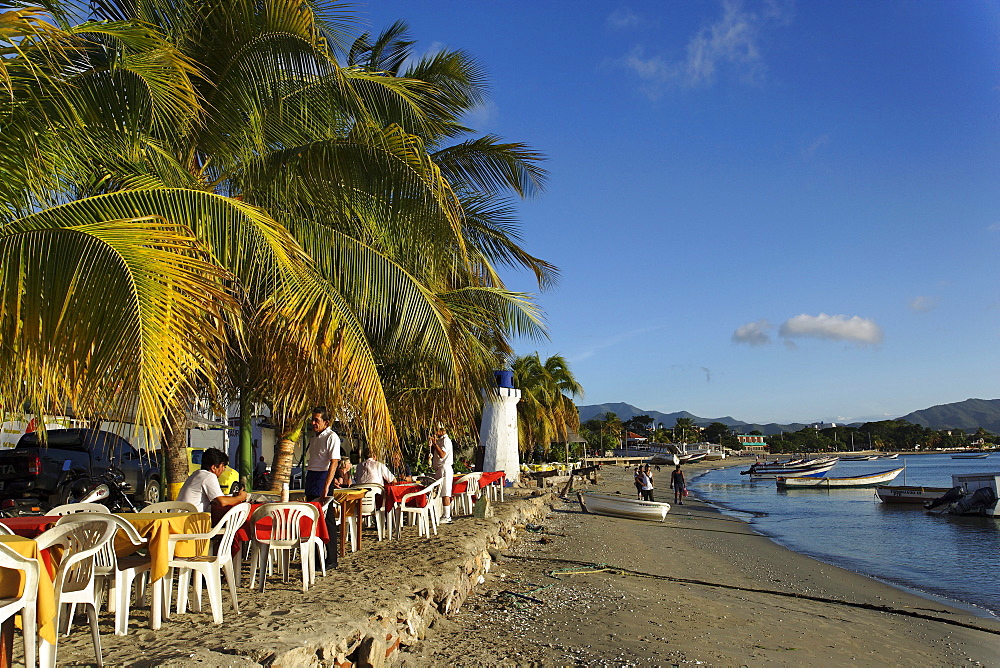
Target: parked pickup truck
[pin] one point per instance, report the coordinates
(37, 470)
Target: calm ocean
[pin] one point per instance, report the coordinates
(956, 558)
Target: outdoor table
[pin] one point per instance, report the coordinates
(395, 491)
(350, 506)
(30, 526)
(262, 528)
(490, 477)
(12, 585)
(157, 528)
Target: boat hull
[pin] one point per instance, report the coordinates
(619, 506)
(908, 494)
(977, 455)
(824, 482)
(770, 474)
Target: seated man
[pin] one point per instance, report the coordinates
(371, 470)
(202, 487)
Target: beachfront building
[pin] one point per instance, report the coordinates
(752, 443)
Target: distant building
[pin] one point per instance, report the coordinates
(751, 443)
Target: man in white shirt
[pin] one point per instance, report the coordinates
(202, 487)
(443, 459)
(371, 470)
(324, 456)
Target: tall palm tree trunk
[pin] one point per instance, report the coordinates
(289, 433)
(174, 448)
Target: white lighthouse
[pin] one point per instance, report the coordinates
(498, 431)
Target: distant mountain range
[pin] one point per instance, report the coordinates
(967, 415)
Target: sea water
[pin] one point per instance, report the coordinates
(955, 558)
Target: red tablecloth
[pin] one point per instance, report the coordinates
(395, 491)
(490, 477)
(263, 526)
(29, 526)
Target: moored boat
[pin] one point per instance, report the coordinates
(826, 482)
(620, 506)
(908, 493)
(972, 494)
(971, 455)
(791, 470)
(859, 458)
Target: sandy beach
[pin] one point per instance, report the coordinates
(697, 588)
(738, 606)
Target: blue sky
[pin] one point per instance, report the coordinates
(778, 211)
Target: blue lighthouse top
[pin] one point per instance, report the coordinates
(504, 378)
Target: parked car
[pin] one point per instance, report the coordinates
(226, 480)
(36, 470)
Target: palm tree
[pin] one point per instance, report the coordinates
(329, 236)
(546, 411)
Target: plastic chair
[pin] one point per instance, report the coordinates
(74, 582)
(119, 572)
(210, 567)
(318, 547)
(25, 603)
(5, 530)
(465, 499)
(171, 507)
(70, 508)
(426, 516)
(371, 509)
(285, 537)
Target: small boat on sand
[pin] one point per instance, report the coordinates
(971, 455)
(824, 482)
(619, 506)
(908, 493)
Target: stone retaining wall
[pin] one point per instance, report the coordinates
(373, 641)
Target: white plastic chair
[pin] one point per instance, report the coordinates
(26, 603)
(286, 537)
(119, 573)
(371, 509)
(327, 505)
(171, 507)
(426, 516)
(70, 508)
(465, 499)
(5, 530)
(75, 582)
(210, 567)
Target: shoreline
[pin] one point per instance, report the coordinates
(699, 587)
(940, 599)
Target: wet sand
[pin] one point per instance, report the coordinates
(697, 588)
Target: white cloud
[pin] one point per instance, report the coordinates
(733, 41)
(832, 327)
(923, 304)
(623, 18)
(815, 145)
(482, 116)
(753, 333)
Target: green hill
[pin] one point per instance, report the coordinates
(967, 415)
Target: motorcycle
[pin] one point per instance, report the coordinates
(108, 489)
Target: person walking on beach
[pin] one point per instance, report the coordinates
(637, 480)
(443, 460)
(678, 484)
(324, 459)
(646, 484)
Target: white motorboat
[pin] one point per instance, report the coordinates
(824, 482)
(972, 494)
(971, 455)
(616, 505)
